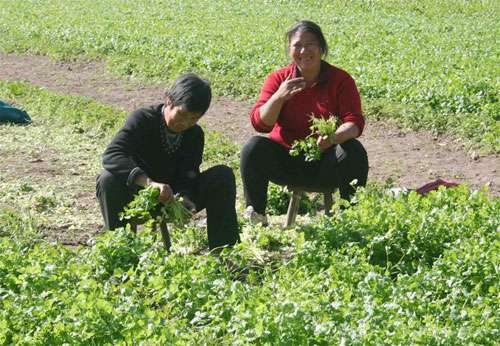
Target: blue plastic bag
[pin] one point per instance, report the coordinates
(9, 114)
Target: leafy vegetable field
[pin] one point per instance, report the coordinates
(390, 270)
(426, 64)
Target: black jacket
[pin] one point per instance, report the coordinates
(138, 148)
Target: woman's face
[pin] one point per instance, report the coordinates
(178, 119)
(304, 49)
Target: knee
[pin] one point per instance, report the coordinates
(357, 152)
(253, 147)
(225, 173)
(354, 148)
(357, 162)
(106, 181)
(223, 177)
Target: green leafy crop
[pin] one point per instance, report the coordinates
(389, 270)
(145, 206)
(436, 62)
(320, 127)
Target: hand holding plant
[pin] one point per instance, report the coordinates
(147, 206)
(320, 138)
(165, 191)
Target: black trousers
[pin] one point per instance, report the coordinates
(215, 191)
(263, 160)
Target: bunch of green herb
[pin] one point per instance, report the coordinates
(146, 206)
(320, 127)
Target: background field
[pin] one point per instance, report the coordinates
(424, 63)
(394, 269)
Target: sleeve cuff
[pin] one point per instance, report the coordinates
(258, 124)
(133, 175)
(358, 120)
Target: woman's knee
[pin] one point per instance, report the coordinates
(255, 147)
(222, 176)
(354, 148)
(224, 172)
(357, 163)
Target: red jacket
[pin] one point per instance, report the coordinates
(334, 94)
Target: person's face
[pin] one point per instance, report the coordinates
(179, 119)
(305, 50)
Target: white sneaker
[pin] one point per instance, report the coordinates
(255, 218)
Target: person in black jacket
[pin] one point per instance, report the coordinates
(162, 146)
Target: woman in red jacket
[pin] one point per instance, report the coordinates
(308, 85)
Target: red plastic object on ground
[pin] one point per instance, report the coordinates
(434, 185)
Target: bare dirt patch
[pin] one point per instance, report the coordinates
(39, 176)
(409, 158)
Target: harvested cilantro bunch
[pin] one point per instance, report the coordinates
(307, 146)
(146, 206)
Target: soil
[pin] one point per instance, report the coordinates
(409, 158)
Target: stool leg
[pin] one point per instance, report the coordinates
(293, 208)
(165, 235)
(328, 203)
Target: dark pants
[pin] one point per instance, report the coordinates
(263, 160)
(215, 191)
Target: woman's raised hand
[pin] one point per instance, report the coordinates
(290, 87)
(270, 110)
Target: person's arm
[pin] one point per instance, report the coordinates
(350, 115)
(118, 158)
(270, 111)
(277, 89)
(344, 132)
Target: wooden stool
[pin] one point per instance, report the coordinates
(297, 192)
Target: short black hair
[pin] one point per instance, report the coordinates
(190, 92)
(308, 26)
